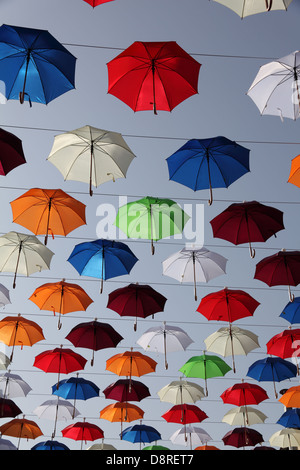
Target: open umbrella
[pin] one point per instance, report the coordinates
(237, 416)
(242, 437)
(34, 65)
(119, 390)
(151, 218)
(290, 418)
(103, 259)
(23, 254)
(56, 410)
(44, 211)
(184, 414)
(83, 431)
(4, 361)
(286, 438)
(194, 265)
(5, 444)
(140, 433)
(285, 344)
(247, 7)
(95, 3)
(21, 428)
(101, 446)
(136, 300)
(208, 163)
(155, 447)
(291, 398)
(196, 436)
(153, 75)
(294, 176)
(4, 296)
(94, 335)
(61, 297)
(50, 445)
(181, 391)
(11, 152)
(8, 408)
(12, 385)
(247, 222)
(91, 155)
(207, 447)
(165, 339)
(122, 413)
(291, 311)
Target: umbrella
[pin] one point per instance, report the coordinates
(12, 385)
(60, 360)
(165, 339)
(21, 428)
(122, 413)
(34, 65)
(23, 254)
(4, 361)
(44, 211)
(11, 152)
(184, 414)
(237, 416)
(208, 163)
(8, 408)
(241, 437)
(294, 172)
(291, 311)
(56, 410)
(154, 447)
(102, 259)
(196, 436)
(280, 269)
(194, 265)
(286, 438)
(247, 222)
(101, 446)
(273, 369)
(207, 447)
(275, 88)
(205, 366)
(140, 433)
(50, 445)
(5, 444)
(290, 418)
(95, 3)
(91, 155)
(94, 335)
(151, 218)
(119, 390)
(136, 300)
(18, 331)
(181, 391)
(153, 75)
(291, 398)
(83, 431)
(285, 344)
(62, 297)
(247, 7)
(4, 295)
(227, 305)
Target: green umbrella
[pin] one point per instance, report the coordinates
(154, 447)
(205, 367)
(151, 218)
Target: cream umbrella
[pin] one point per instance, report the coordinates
(251, 7)
(196, 436)
(181, 391)
(237, 416)
(287, 437)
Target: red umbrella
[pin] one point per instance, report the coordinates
(281, 269)
(184, 414)
(83, 432)
(95, 3)
(126, 390)
(94, 335)
(247, 222)
(285, 344)
(136, 300)
(241, 437)
(8, 408)
(153, 75)
(11, 152)
(227, 305)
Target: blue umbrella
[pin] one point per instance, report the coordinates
(272, 369)
(34, 65)
(102, 259)
(76, 388)
(50, 445)
(291, 311)
(290, 418)
(140, 433)
(208, 163)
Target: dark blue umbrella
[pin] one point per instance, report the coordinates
(33, 65)
(290, 418)
(208, 163)
(76, 388)
(272, 369)
(50, 445)
(140, 433)
(291, 311)
(102, 259)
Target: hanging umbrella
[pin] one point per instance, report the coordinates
(4, 296)
(285, 344)
(153, 75)
(247, 7)
(194, 265)
(291, 311)
(280, 269)
(5, 444)
(91, 155)
(247, 222)
(95, 3)
(136, 300)
(21, 428)
(181, 391)
(34, 65)
(290, 418)
(208, 163)
(56, 410)
(205, 367)
(196, 436)
(286, 438)
(272, 369)
(11, 152)
(44, 211)
(121, 412)
(140, 433)
(237, 416)
(275, 89)
(184, 414)
(294, 172)
(8, 408)
(4, 361)
(119, 390)
(154, 447)
(291, 398)
(94, 335)
(151, 218)
(62, 297)
(242, 437)
(101, 446)
(231, 341)
(50, 445)
(102, 259)
(12, 385)
(207, 447)
(18, 331)
(165, 339)
(23, 254)
(83, 431)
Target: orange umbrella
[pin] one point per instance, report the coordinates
(294, 176)
(21, 427)
(45, 211)
(206, 447)
(291, 398)
(61, 297)
(121, 412)
(18, 331)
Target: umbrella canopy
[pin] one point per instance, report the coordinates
(290, 418)
(196, 436)
(208, 163)
(11, 152)
(151, 218)
(34, 65)
(242, 437)
(12, 385)
(165, 339)
(247, 222)
(281, 269)
(154, 447)
(62, 297)
(237, 416)
(4, 361)
(8, 408)
(95, 3)
(291, 311)
(23, 254)
(181, 391)
(243, 394)
(247, 7)
(136, 300)
(91, 155)
(294, 176)
(153, 75)
(285, 344)
(50, 445)
(286, 438)
(119, 390)
(101, 446)
(56, 410)
(103, 259)
(194, 265)
(44, 211)
(94, 335)
(291, 398)
(21, 428)
(4, 296)
(184, 414)
(122, 413)
(140, 433)
(82, 431)
(5, 444)
(207, 447)
(275, 88)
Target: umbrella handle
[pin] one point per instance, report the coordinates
(252, 251)
(210, 201)
(291, 296)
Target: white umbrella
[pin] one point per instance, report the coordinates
(4, 361)
(196, 436)
(101, 446)
(12, 385)
(5, 444)
(165, 339)
(56, 410)
(276, 89)
(287, 437)
(181, 391)
(91, 155)
(251, 7)
(237, 416)
(23, 254)
(194, 265)
(4, 296)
